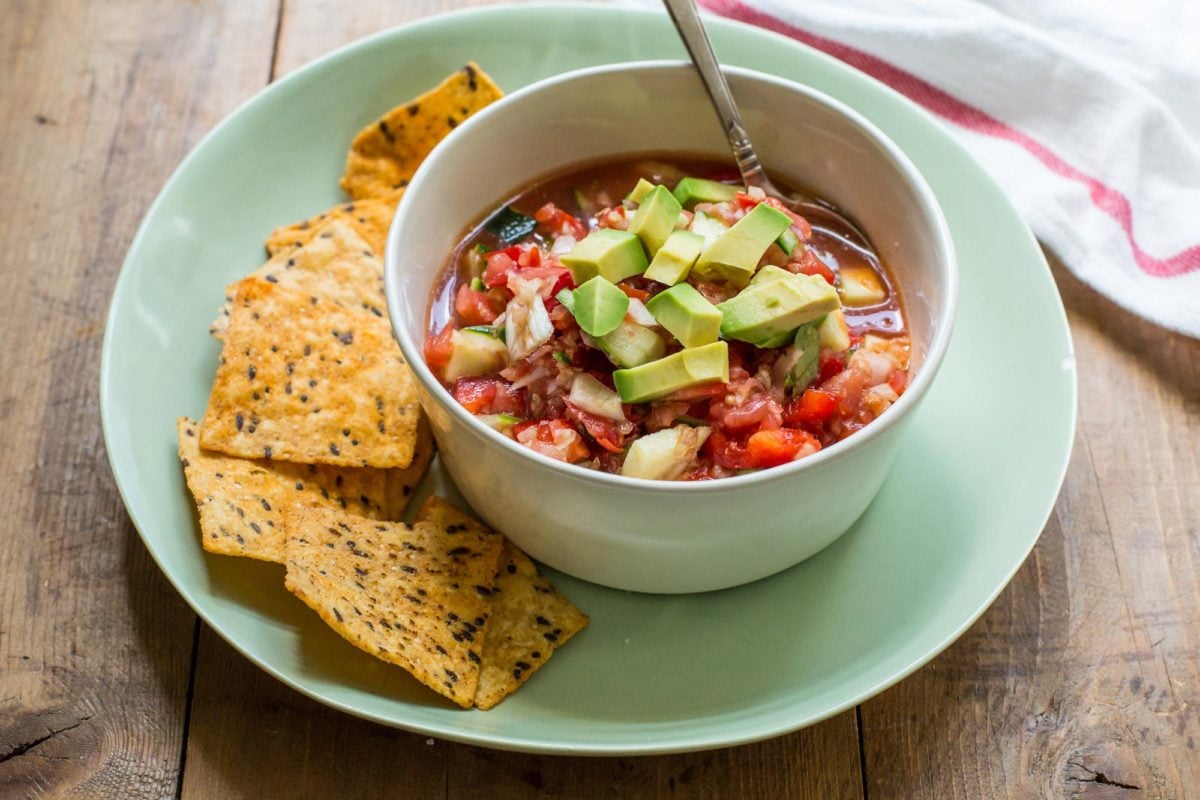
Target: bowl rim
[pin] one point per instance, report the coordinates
(942, 322)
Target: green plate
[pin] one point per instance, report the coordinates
(963, 505)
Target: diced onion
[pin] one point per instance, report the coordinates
(526, 322)
(562, 245)
(638, 312)
(594, 397)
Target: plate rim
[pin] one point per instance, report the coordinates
(509, 741)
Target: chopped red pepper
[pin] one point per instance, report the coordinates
(772, 448)
(813, 407)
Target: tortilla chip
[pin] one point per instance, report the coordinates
(303, 379)
(336, 264)
(418, 597)
(530, 619)
(402, 483)
(370, 219)
(385, 154)
(241, 501)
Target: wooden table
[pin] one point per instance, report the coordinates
(1083, 680)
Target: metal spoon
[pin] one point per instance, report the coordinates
(687, 21)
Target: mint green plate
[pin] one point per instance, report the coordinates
(962, 507)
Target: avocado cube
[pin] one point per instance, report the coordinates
(691, 367)
(690, 191)
(655, 218)
(630, 344)
(640, 190)
(674, 259)
(686, 314)
(770, 273)
(761, 313)
(735, 254)
(599, 306)
(612, 254)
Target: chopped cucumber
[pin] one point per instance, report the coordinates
(474, 353)
(665, 454)
(594, 397)
(511, 226)
(788, 241)
(567, 298)
(808, 342)
(477, 284)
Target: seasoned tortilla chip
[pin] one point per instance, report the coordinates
(418, 597)
(370, 219)
(336, 265)
(385, 154)
(303, 379)
(530, 619)
(241, 501)
(401, 483)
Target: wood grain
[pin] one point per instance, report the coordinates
(95, 647)
(1082, 680)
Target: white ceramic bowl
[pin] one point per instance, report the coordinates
(658, 536)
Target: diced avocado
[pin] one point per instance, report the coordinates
(777, 341)
(686, 314)
(640, 190)
(860, 286)
(762, 312)
(710, 228)
(690, 367)
(808, 342)
(599, 306)
(770, 273)
(631, 344)
(788, 241)
(474, 353)
(655, 218)
(674, 259)
(833, 332)
(608, 252)
(690, 191)
(664, 455)
(735, 254)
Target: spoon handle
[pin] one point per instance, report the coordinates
(687, 22)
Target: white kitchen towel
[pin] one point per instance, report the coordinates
(1087, 112)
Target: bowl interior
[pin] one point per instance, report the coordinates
(806, 138)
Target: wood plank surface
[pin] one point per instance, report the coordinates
(1083, 680)
(95, 646)
(1080, 682)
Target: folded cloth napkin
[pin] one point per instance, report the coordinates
(1088, 114)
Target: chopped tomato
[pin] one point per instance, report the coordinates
(499, 265)
(743, 200)
(811, 264)
(830, 365)
(603, 431)
(898, 380)
(558, 277)
(555, 438)
(772, 448)
(634, 293)
(813, 407)
(475, 394)
(439, 348)
(530, 257)
(476, 308)
(726, 451)
(555, 220)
